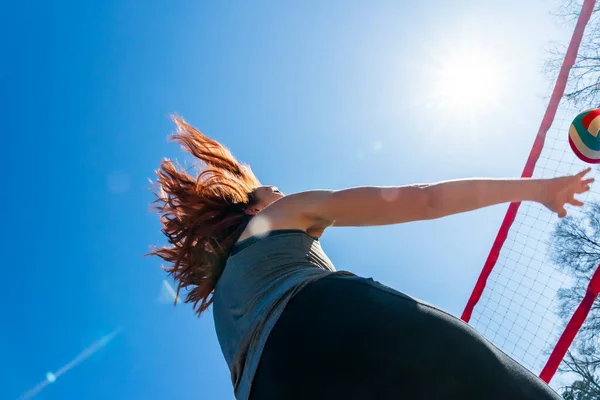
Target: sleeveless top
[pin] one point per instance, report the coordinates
(260, 277)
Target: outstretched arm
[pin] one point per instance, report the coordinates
(364, 206)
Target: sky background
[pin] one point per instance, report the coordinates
(312, 94)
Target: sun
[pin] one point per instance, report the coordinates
(468, 79)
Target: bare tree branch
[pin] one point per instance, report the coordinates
(583, 89)
(575, 249)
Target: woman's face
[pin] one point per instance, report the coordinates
(264, 196)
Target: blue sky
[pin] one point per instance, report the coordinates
(313, 95)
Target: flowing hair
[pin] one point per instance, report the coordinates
(202, 216)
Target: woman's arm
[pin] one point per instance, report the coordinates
(363, 206)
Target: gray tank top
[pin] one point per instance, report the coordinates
(259, 279)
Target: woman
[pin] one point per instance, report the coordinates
(292, 327)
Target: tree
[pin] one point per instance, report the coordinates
(583, 89)
(586, 366)
(575, 249)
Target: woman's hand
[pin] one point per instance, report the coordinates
(558, 192)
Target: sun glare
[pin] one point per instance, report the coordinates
(466, 79)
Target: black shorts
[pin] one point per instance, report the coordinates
(353, 338)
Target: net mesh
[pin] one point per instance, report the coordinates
(518, 310)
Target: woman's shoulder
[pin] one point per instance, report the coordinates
(288, 213)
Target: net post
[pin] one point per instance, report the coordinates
(574, 325)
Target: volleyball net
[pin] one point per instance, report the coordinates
(515, 303)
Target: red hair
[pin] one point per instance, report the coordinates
(202, 216)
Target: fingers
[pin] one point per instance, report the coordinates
(575, 202)
(562, 212)
(588, 181)
(582, 188)
(584, 172)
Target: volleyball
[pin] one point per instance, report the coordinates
(584, 138)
